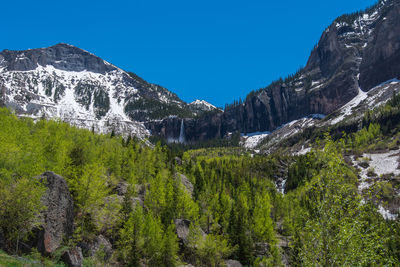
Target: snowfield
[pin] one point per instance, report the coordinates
(346, 110)
(380, 164)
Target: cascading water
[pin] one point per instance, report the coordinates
(182, 138)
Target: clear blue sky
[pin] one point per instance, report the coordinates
(207, 49)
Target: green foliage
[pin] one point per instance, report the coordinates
(19, 208)
(143, 238)
(234, 209)
(366, 136)
(337, 228)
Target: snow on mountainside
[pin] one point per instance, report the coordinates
(69, 83)
(352, 111)
(202, 105)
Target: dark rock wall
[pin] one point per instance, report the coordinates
(381, 59)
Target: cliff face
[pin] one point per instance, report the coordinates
(381, 56)
(357, 51)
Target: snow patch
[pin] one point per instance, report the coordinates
(346, 110)
(383, 163)
(253, 139)
(386, 214)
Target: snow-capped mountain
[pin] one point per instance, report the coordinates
(202, 105)
(78, 87)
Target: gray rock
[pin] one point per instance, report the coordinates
(61, 56)
(101, 244)
(233, 263)
(73, 257)
(185, 181)
(182, 230)
(382, 53)
(58, 218)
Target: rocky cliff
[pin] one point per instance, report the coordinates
(359, 50)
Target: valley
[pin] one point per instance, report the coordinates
(99, 167)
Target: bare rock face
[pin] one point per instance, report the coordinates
(61, 56)
(58, 217)
(73, 257)
(382, 55)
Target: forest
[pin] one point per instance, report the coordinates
(227, 198)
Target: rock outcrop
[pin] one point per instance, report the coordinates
(62, 56)
(186, 183)
(100, 245)
(73, 257)
(182, 231)
(58, 218)
(381, 56)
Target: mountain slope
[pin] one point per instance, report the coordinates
(76, 86)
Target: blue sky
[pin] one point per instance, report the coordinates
(209, 49)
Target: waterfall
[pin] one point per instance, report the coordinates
(182, 138)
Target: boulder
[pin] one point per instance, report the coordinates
(182, 231)
(233, 263)
(102, 245)
(58, 218)
(73, 257)
(185, 181)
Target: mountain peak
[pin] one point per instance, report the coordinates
(202, 105)
(61, 56)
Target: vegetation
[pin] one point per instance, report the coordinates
(235, 210)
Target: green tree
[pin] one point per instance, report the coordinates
(20, 206)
